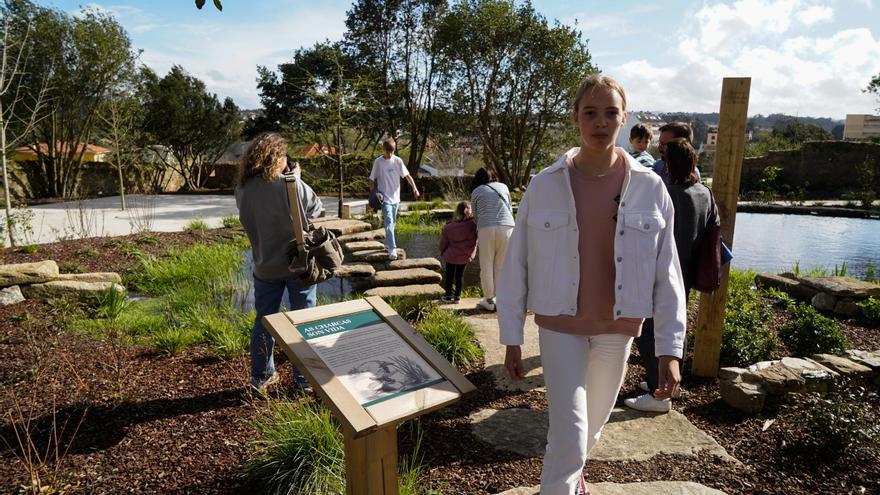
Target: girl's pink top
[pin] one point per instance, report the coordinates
(458, 243)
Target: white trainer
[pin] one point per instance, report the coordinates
(487, 305)
(648, 403)
(644, 387)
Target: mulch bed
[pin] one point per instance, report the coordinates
(134, 421)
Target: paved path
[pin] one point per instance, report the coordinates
(653, 488)
(160, 212)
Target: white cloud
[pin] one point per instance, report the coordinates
(814, 14)
(793, 70)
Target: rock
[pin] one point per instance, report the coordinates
(847, 307)
(503, 430)
(866, 358)
(353, 246)
(843, 287)
(70, 289)
(768, 280)
(824, 301)
(342, 227)
(406, 277)
(369, 235)
(842, 365)
(375, 255)
(817, 378)
(800, 290)
(28, 273)
(429, 263)
(485, 327)
(426, 290)
(11, 295)
(776, 379)
(355, 270)
(731, 373)
(746, 397)
(112, 277)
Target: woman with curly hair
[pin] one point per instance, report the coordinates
(261, 196)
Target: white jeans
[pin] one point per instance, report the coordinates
(492, 245)
(583, 376)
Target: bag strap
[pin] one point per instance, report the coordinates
(295, 211)
(509, 206)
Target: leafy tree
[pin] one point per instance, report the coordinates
(201, 3)
(513, 76)
(190, 123)
(392, 42)
(873, 87)
(78, 61)
(798, 133)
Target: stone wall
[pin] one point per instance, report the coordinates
(821, 168)
(96, 179)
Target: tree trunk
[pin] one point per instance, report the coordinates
(6, 198)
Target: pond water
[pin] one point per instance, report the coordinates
(762, 242)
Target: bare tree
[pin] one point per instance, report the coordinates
(14, 107)
(121, 118)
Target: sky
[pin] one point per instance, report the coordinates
(805, 57)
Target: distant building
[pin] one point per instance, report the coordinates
(310, 150)
(91, 153)
(651, 120)
(711, 140)
(860, 126)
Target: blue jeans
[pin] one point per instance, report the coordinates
(267, 301)
(389, 217)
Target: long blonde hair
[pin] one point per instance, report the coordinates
(262, 157)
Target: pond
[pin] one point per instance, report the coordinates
(762, 242)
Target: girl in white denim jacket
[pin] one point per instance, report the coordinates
(587, 320)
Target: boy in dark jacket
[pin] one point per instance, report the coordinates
(458, 247)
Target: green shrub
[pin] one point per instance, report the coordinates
(781, 298)
(29, 248)
(87, 253)
(846, 420)
(451, 336)
(230, 222)
(812, 333)
(112, 303)
(871, 310)
(411, 309)
(148, 239)
(299, 450)
(169, 341)
(196, 224)
(746, 337)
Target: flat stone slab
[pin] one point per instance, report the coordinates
(424, 290)
(485, 327)
(363, 246)
(624, 438)
(649, 488)
(843, 286)
(369, 235)
(355, 270)
(69, 289)
(111, 277)
(28, 273)
(409, 276)
(343, 226)
(376, 255)
(429, 263)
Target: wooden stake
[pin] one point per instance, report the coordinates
(725, 186)
(371, 462)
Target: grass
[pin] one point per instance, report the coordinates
(230, 222)
(299, 449)
(29, 248)
(452, 336)
(196, 224)
(418, 223)
(746, 337)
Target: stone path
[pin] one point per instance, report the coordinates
(623, 439)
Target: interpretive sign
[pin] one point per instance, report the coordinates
(374, 371)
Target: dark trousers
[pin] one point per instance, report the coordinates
(454, 273)
(645, 345)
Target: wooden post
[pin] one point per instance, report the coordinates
(371, 462)
(725, 185)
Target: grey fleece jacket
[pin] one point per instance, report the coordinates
(691, 203)
(264, 214)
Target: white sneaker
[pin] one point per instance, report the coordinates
(648, 403)
(392, 255)
(676, 395)
(487, 305)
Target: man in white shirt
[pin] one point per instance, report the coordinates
(385, 177)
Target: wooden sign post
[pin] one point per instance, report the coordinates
(374, 372)
(725, 186)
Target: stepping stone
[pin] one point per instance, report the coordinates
(485, 327)
(354, 246)
(429, 263)
(369, 235)
(355, 270)
(426, 290)
(375, 255)
(650, 488)
(69, 289)
(111, 277)
(28, 273)
(342, 227)
(406, 277)
(623, 438)
(843, 287)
